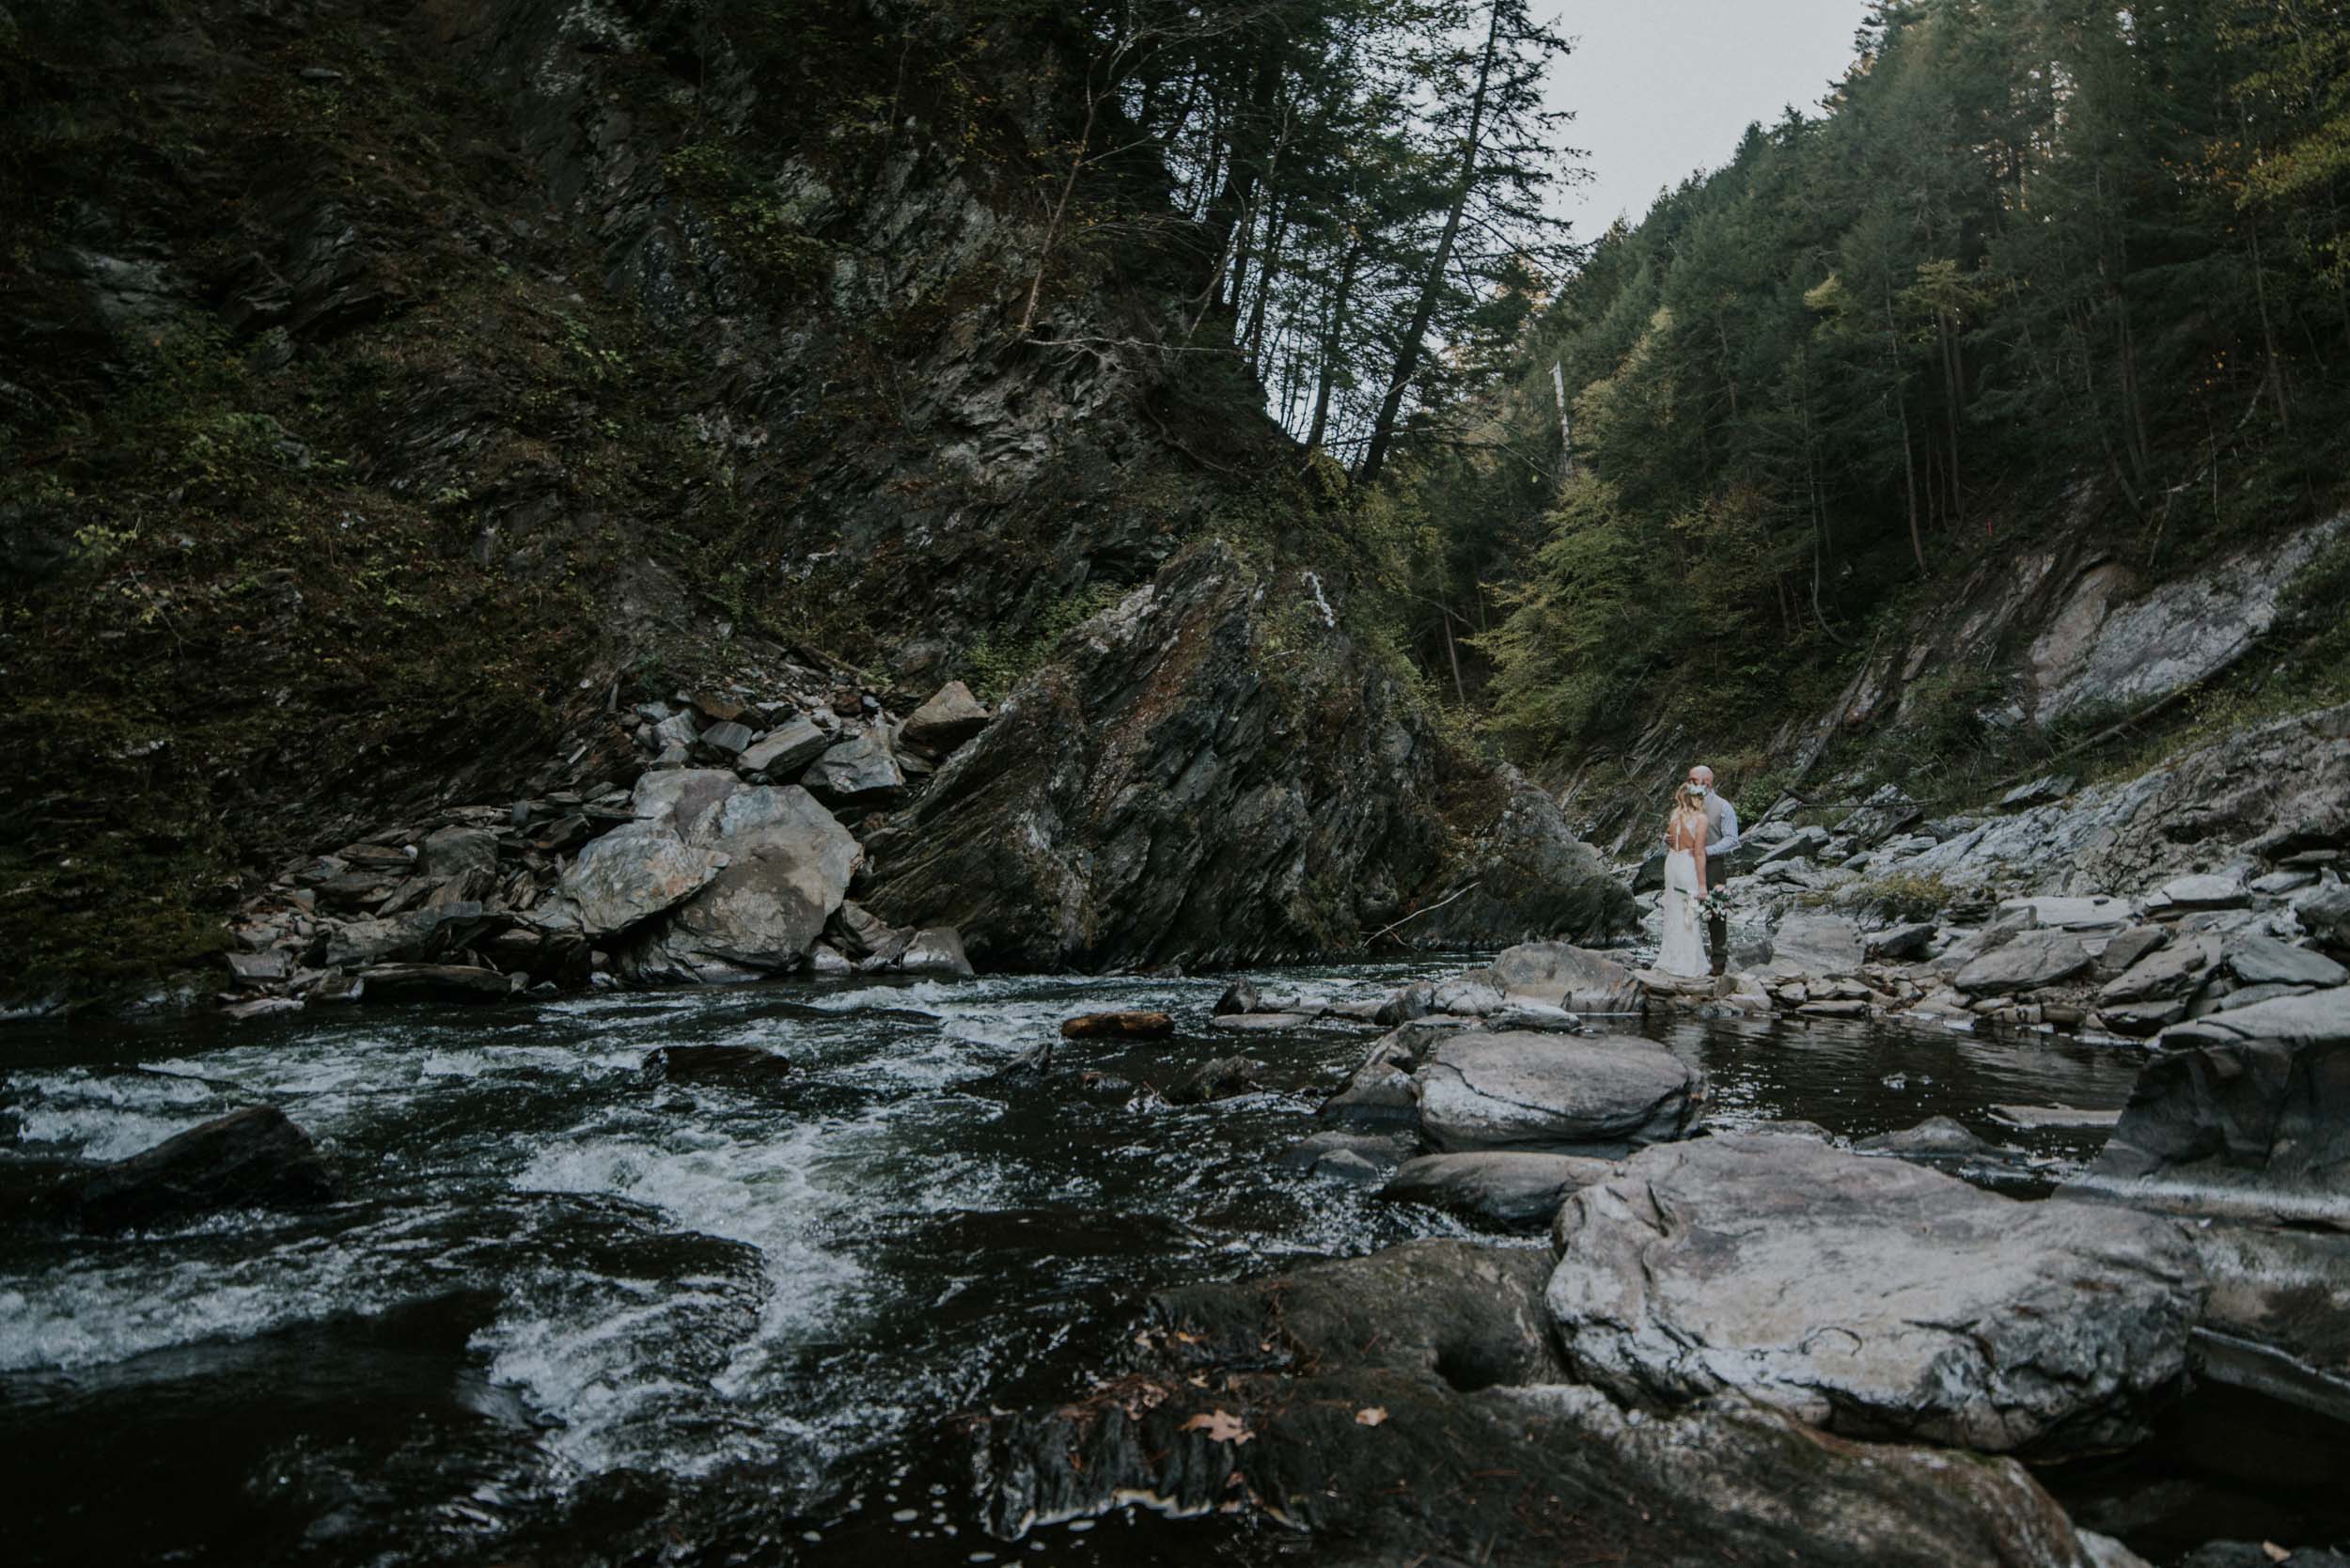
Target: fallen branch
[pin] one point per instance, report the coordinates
(1416, 913)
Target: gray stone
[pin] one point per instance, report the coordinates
(250, 1159)
(1259, 1023)
(2251, 995)
(1565, 975)
(1881, 815)
(2098, 912)
(2276, 885)
(1513, 1014)
(2207, 891)
(462, 861)
(1816, 947)
(935, 950)
(1902, 943)
(1473, 994)
(2325, 914)
(727, 737)
(1378, 1093)
(1935, 1138)
(2305, 1018)
(678, 798)
(2142, 1018)
(2266, 961)
(789, 862)
(1802, 844)
(1874, 1297)
(1240, 997)
(625, 878)
(951, 717)
(1506, 1187)
(1220, 1079)
(678, 730)
(859, 769)
(2048, 787)
(784, 750)
(2025, 963)
(2121, 952)
(419, 935)
(2178, 969)
(255, 967)
(1601, 1095)
(437, 982)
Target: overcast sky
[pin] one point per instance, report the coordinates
(1661, 88)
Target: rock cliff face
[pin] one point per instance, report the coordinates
(395, 397)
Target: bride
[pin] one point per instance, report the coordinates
(1683, 952)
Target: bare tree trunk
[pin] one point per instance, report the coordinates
(1415, 333)
(1909, 454)
(1331, 341)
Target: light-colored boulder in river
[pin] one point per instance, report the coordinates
(1574, 979)
(1872, 1297)
(789, 862)
(1503, 1186)
(2024, 962)
(1813, 946)
(1569, 1094)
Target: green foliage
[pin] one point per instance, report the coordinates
(1895, 896)
(1000, 661)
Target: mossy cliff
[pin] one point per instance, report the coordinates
(385, 389)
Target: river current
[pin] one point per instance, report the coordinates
(572, 1312)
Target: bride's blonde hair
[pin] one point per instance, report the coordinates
(1688, 799)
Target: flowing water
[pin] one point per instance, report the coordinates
(569, 1309)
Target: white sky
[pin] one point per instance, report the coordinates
(1662, 87)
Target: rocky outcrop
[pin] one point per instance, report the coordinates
(1208, 772)
(1525, 877)
(1595, 1095)
(251, 1158)
(1346, 1397)
(1873, 1297)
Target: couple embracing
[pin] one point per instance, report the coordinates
(1699, 835)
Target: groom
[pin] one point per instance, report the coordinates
(1721, 837)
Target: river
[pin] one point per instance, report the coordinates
(571, 1313)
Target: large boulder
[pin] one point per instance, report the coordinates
(1564, 975)
(626, 877)
(1569, 1094)
(250, 1159)
(1873, 1296)
(2255, 960)
(1817, 947)
(1401, 1405)
(858, 770)
(461, 862)
(2024, 962)
(419, 935)
(951, 717)
(1513, 1189)
(788, 865)
(2258, 1126)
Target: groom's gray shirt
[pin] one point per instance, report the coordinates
(1721, 828)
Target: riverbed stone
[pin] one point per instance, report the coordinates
(2205, 890)
(787, 866)
(625, 878)
(935, 950)
(1810, 946)
(1937, 1137)
(2264, 961)
(1565, 975)
(1874, 1297)
(1511, 1188)
(249, 1158)
(2024, 962)
(2176, 969)
(1602, 1095)
(436, 982)
(1343, 1398)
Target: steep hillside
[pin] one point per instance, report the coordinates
(394, 394)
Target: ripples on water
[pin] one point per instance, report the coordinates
(565, 1301)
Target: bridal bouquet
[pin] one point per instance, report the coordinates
(1716, 905)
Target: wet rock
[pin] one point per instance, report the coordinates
(2266, 961)
(2026, 961)
(1516, 1015)
(1130, 1025)
(2177, 969)
(1343, 1398)
(1513, 1189)
(1261, 1022)
(251, 1158)
(1410, 1002)
(951, 717)
(935, 950)
(784, 750)
(437, 982)
(1601, 1095)
(1378, 1093)
(1564, 975)
(627, 877)
(1873, 1296)
(715, 1063)
(857, 771)
(417, 935)
(2255, 1125)
(1902, 943)
(1239, 997)
(1358, 1159)
(1937, 1137)
(1219, 1079)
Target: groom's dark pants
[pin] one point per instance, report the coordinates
(1716, 928)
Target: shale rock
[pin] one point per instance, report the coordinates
(783, 751)
(1598, 1095)
(715, 1063)
(2266, 961)
(1307, 1397)
(1566, 976)
(1816, 947)
(788, 865)
(858, 770)
(625, 878)
(437, 982)
(1527, 876)
(2026, 961)
(950, 718)
(1873, 1296)
(1509, 1188)
(251, 1158)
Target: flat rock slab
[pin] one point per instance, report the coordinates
(1873, 1296)
(1504, 1187)
(2028, 962)
(1569, 1094)
(2175, 969)
(2266, 961)
(1565, 975)
(2054, 1116)
(1816, 945)
(627, 877)
(1261, 1022)
(436, 982)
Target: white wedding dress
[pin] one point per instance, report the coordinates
(1683, 952)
